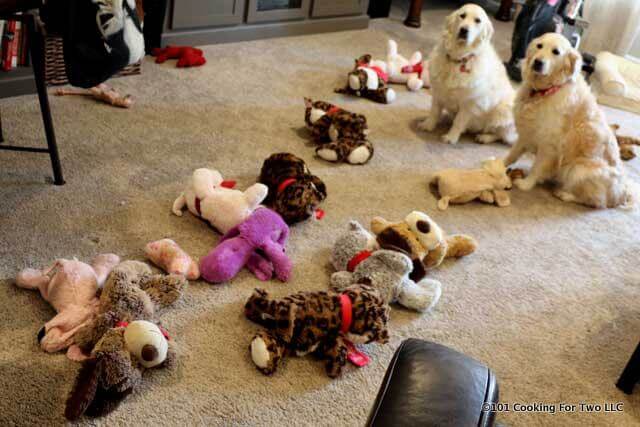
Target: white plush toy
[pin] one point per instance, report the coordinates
(209, 197)
(414, 72)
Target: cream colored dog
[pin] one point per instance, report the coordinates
(469, 81)
(559, 121)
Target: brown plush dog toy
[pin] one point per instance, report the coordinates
(419, 237)
(323, 323)
(368, 80)
(294, 193)
(124, 339)
(341, 136)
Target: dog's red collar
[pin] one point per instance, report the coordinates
(545, 92)
(463, 62)
(284, 184)
(357, 259)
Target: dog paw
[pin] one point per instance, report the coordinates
(486, 138)
(450, 139)
(428, 125)
(564, 196)
(525, 184)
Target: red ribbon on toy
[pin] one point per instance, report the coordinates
(357, 259)
(284, 184)
(381, 74)
(228, 183)
(415, 68)
(355, 356)
(319, 213)
(333, 110)
(544, 92)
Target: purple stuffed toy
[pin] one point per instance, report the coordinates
(257, 243)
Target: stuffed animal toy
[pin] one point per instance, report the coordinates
(323, 323)
(341, 136)
(419, 237)
(213, 199)
(357, 260)
(414, 72)
(187, 56)
(626, 144)
(293, 192)
(369, 80)
(258, 243)
(170, 257)
(70, 286)
(488, 184)
(125, 339)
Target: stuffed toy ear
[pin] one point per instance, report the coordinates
(84, 390)
(573, 64)
(378, 224)
(308, 103)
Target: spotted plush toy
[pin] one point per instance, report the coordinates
(324, 323)
(341, 135)
(368, 80)
(293, 192)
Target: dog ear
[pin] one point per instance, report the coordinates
(487, 29)
(572, 64)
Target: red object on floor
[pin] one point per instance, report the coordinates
(187, 56)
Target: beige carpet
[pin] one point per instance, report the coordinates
(550, 301)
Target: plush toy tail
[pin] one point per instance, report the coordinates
(84, 390)
(179, 204)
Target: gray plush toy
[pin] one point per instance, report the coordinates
(357, 259)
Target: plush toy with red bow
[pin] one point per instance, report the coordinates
(293, 191)
(414, 72)
(369, 80)
(187, 56)
(212, 198)
(357, 258)
(124, 339)
(341, 136)
(322, 323)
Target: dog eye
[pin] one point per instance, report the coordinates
(477, 20)
(556, 52)
(464, 15)
(539, 46)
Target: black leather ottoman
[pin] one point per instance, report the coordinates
(428, 384)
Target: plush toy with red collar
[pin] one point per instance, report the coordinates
(414, 72)
(187, 56)
(357, 258)
(369, 80)
(323, 323)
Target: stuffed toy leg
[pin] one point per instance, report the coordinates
(349, 150)
(421, 296)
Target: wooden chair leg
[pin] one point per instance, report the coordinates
(415, 11)
(631, 374)
(37, 59)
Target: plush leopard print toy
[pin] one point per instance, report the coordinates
(323, 323)
(368, 80)
(293, 192)
(340, 135)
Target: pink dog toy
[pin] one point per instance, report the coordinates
(167, 255)
(70, 287)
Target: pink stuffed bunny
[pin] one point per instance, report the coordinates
(70, 286)
(170, 257)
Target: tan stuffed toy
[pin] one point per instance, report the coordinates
(419, 237)
(489, 184)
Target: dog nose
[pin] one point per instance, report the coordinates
(463, 33)
(537, 65)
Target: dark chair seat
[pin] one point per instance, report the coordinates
(428, 384)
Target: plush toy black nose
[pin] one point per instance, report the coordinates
(149, 353)
(41, 334)
(463, 33)
(538, 65)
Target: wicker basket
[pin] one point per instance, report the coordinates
(55, 73)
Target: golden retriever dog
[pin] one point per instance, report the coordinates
(559, 121)
(469, 81)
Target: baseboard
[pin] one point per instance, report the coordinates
(246, 32)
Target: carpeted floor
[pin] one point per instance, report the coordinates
(550, 301)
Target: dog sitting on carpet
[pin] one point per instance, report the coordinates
(294, 192)
(323, 323)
